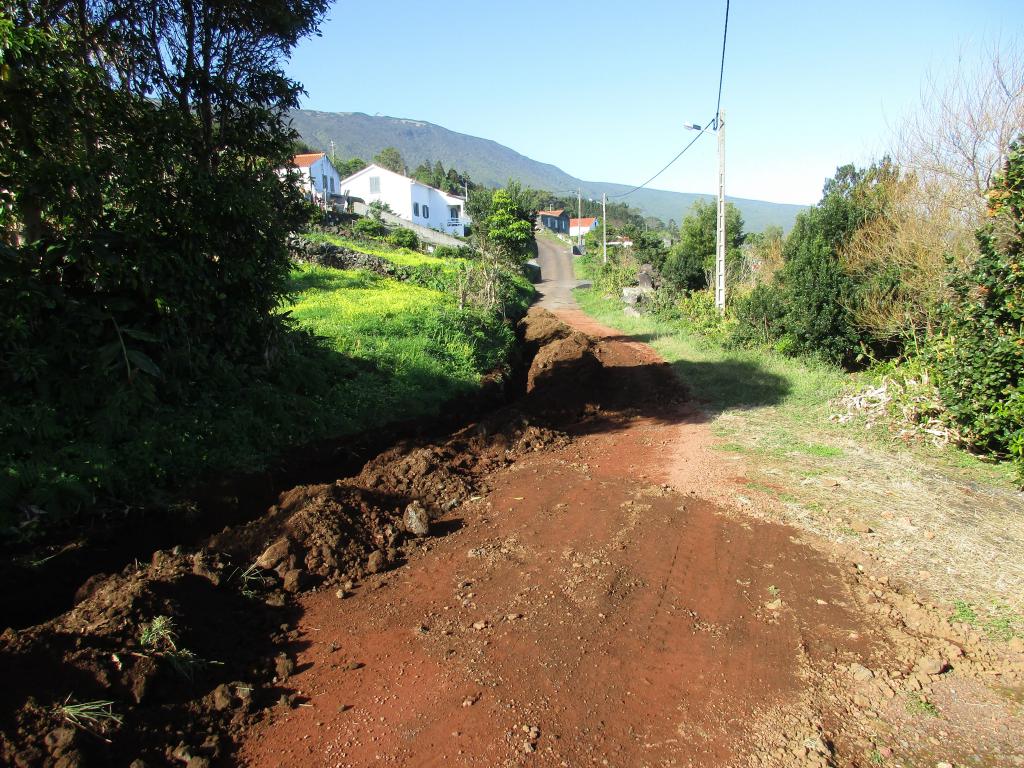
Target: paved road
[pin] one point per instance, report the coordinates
(557, 278)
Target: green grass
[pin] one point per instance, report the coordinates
(772, 413)
(92, 712)
(367, 352)
(919, 705)
(998, 621)
(401, 256)
(421, 350)
(725, 378)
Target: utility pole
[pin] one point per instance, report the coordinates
(579, 216)
(720, 250)
(333, 158)
(604, 228)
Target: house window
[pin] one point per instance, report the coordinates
(415, 209)
(375, 184)
(426, 212)
(332, 185)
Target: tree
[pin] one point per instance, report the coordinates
(648, 247)
(762, 255)
(141, 208)
(808, 307)
(510, 223)
(692, 259)
(347, 167)
(979, 360)
(391, 158)
(960, 137)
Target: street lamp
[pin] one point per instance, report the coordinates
(719, 128)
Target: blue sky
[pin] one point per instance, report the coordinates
(602, 89)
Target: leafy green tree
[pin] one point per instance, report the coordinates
(510, 222)
(142, 214)
(424, 174)
(807, 309)
(391, 158)
(346, 168)
(454, 182)
(979, 360)
(648, 247)
(692, 259)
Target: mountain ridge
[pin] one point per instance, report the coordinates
(356, 134)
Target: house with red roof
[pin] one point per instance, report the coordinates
(556, 221)
(580, 227)
(318, 176)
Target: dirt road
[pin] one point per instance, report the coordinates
(575, 600)
(557, 278)
(587, 607)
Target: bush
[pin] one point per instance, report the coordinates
(697, 310)
(454, 252)
(369, 226)
(980, 358)
(404, 238)
(807, 308)
(759, 316)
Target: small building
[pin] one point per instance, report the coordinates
(580, 227)
(556, 221)
(408, 199)
(319, 178)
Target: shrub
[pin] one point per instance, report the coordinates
(369, 226)
(454, 252)
(980, 358)
(807, 309)
(759, 315)
(404, 238)
(697, 310)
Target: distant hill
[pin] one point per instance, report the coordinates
(492, 164)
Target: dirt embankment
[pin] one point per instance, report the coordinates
(557, 601)
(229, 610)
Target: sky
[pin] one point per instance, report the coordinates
(603, 89)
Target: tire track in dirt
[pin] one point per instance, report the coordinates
(622, 621)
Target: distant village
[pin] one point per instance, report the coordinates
(413, 202)
(416, 204)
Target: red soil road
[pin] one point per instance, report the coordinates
(627, 622)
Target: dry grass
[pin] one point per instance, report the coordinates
(949, 532)
(946, 524)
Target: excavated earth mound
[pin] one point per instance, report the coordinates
(164, 662)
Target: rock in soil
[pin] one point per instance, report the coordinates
(416, 519)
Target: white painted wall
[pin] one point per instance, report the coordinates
(409, 199)
(318, 177)
(576, 231)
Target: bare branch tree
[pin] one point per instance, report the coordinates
(959, 139)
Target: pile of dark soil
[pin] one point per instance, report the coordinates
(165, 662)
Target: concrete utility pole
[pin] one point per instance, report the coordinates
(579, 215)
(604, 228)
(720, 250)
(333, 158)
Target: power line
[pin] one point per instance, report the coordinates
(713, 121)
(721, 69)
(670, 162)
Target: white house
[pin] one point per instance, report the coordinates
(319, 178)
(580, 227)
(408, 199)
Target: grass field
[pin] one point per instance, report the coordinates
(401, 256)
(423, 349)
(949, 523)
(371, 351)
